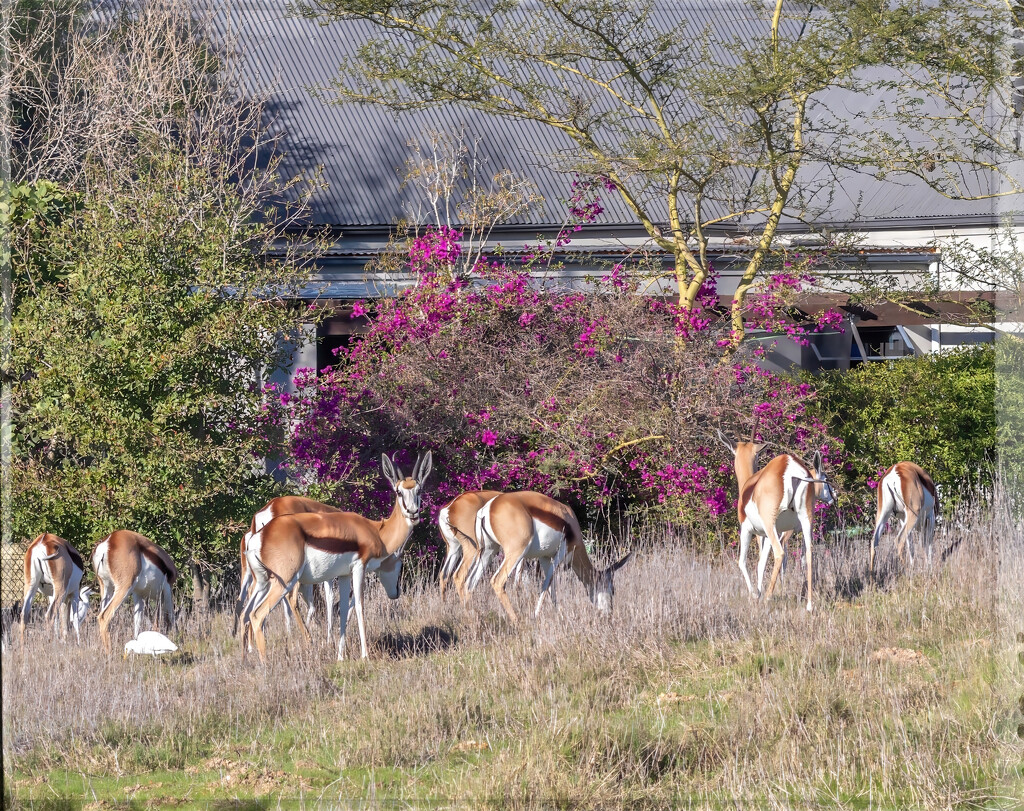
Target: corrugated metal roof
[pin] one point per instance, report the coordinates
(362, 150)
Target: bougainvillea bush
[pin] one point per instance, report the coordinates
(601, 397)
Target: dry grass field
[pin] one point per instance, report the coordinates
(905, 694)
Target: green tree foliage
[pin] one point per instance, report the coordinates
(1009, 354)
(935, 410)
(997, 267)
(28, 214)
(141, 373)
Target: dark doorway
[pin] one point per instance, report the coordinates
(326, 347)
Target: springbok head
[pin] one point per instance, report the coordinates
(602, 590)
(745, 452)
(408, 489)
(822, 489)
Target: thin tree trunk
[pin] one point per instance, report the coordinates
(200, 588)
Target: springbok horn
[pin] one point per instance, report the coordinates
(753, 431)
(416, 468)
(389, 468)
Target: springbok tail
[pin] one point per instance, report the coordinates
(451, 562)
(454, 556)
(895, 495)
(99, 557)
(259, 570)
(259, 589)
(456, 531)
(477, 570)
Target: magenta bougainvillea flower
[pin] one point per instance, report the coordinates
(604, 398)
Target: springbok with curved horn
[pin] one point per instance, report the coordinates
(127, 563)
(528, 525)
(53, 566)
(778, 498)
(313, 547)
(283, 505)
(907, 492)
(457, 522)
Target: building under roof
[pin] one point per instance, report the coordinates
(361, 153)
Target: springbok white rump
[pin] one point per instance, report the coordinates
(53, 566)
(284, 505)
(777, 498)
(532, 526)
(457, 522)
(313, 547)
(908, 492)
(127, 563)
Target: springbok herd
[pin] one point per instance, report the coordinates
(295, 543)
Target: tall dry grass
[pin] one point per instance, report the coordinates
(900, 694)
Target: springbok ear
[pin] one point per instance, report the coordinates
(725, 441)
(620, 563)
(817, 462)
(425, 468)
(389, 469)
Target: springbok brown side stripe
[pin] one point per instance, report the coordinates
(553, 520)
(154, 557)
(77, 558)
(335, 546)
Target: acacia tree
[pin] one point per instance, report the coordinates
(743, 119)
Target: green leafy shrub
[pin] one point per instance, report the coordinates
(936, 410)
(138, 374)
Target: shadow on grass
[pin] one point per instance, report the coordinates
(429, 640)
(45, 804)
(61, 803)
(849, 587)
(260, 804)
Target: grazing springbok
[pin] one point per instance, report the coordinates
(906, 490)
(127, 563)
(53, 566)
(778, 498)
(314, 547)
(284, 505)
(532, 526)
(457, 522)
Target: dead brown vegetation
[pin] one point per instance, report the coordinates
(897, 695)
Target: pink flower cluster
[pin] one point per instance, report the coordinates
(768, 309)
(584, 205)
(436, 247)
(692, 320)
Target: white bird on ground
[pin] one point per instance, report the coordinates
(151, 642)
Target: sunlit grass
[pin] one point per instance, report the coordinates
(899, 695)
